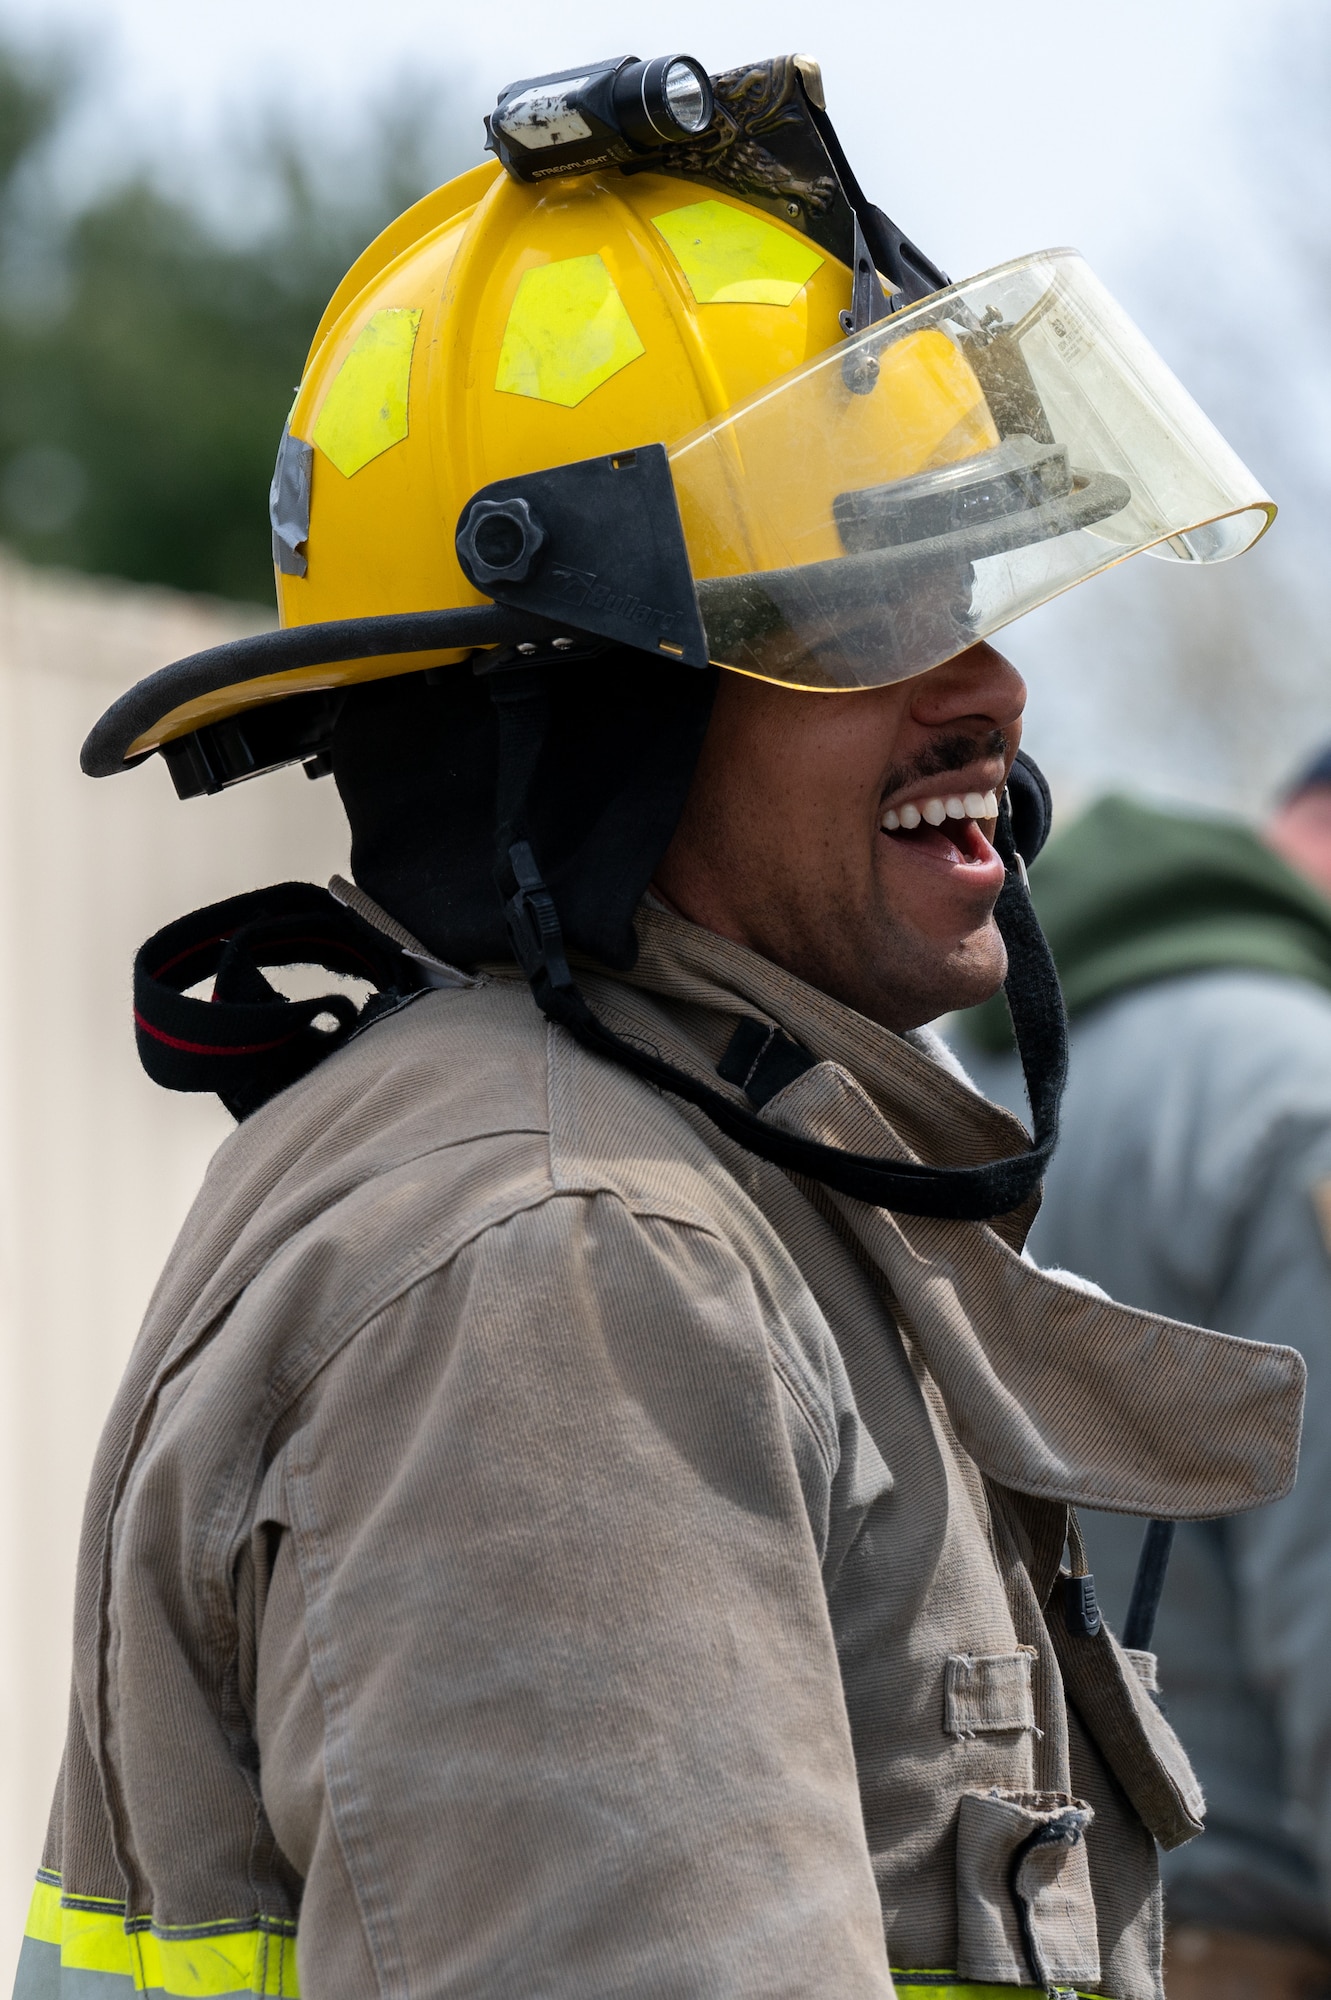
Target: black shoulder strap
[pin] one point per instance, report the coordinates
(248, 1042)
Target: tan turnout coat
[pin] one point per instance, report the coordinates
(542, 1552)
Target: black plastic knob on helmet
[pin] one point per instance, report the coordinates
(499, 540)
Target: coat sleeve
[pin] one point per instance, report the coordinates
(547, 1697)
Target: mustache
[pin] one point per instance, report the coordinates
(946, 753)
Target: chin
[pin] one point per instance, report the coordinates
(974, 972)
(933, 978)
(958, 999)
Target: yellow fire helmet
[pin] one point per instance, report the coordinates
(659, 376)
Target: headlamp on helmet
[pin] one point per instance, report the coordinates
(602, 115)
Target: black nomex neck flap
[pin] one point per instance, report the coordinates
(609, 748)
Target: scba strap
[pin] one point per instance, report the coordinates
(249, 1041)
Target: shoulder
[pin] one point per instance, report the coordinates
(478, 1138)
(447, 1119)
(464, 1177)
(475, 1075)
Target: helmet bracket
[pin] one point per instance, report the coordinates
(868, 301)
(597, 546)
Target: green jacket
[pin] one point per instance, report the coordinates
(1131, 894)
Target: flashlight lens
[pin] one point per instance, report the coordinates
(685, 97)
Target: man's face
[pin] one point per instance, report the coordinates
(807, 834)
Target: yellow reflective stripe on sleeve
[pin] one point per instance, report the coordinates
(95, 1941)
(43, 1924)
(200, 1967)
(251, 1961)
(943, 1985)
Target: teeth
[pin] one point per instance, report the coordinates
(975, 805)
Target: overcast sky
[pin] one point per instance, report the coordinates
(985, 130)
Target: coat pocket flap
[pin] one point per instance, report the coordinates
(1109, 1691)
(1024, 1905)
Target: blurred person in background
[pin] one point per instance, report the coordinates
(1193, 1177)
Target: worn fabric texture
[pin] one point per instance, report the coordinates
(539, 1548)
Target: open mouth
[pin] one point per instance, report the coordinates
(955, 828)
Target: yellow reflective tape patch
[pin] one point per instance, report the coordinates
(730, 258)
(365, 410)
(568, 331)
(91, 1942)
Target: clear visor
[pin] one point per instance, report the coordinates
(945, 471)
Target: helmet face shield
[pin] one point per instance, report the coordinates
(944, 471)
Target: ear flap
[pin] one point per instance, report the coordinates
(1032, 806)
(416, 759)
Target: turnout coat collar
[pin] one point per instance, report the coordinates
(1054, 1391)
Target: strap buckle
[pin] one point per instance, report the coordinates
(533, 921)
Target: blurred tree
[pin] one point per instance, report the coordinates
(149, 351)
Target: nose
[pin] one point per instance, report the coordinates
(978, 686)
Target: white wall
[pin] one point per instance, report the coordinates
(97, 1165)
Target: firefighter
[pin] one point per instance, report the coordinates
(586, 1514)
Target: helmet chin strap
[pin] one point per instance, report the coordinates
(967, 1194)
